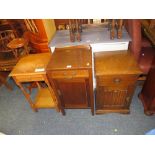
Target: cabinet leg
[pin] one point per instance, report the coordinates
(92, 112)
(63, 112)
(148, 113)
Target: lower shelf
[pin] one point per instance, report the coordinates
(44, 99)
(104, 111)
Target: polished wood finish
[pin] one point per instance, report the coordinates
(37, 36)
(11, 50)
(147, 95)
(31, 68)
(116, 75)
(17, 43)
(70, 73)
(115, 62)
(9, 55)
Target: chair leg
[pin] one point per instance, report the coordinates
(3, 80)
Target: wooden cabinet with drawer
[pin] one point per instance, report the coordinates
(116, 75)
(70, 74)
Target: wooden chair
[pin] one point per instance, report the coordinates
(11, 50)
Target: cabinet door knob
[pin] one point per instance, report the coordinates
(117, 80)
(74, 73)
(127, 99)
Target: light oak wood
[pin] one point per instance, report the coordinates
(44, 99)
(32, 68)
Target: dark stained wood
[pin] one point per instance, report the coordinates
(3, 80)
(116, 26)
(70, 71)
(147, 94)
(149, 29)
(116, 75)
(115, 62)
(16, 25)
(62, 24)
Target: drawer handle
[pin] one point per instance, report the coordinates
(69, 77)
(117, 80)
(65, 73)
(74, 73)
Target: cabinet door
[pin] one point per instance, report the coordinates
(73, 92)
(113, 97)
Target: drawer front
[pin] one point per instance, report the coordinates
(116, 80)
(27, 78)
(69, 74)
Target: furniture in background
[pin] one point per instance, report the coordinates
(32, 68)
(63, 24)
(19, 47)
(116, 28)
(116, 74)
(140, 46)
(16, 25)
(75, 29)
(149, 29)
(147, 95)
(70, 74)
(3, 80)
(8, 56)
(37, 35)
(11, 50)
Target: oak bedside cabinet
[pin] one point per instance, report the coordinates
(70, 74)
(31, 68)
(116, 75)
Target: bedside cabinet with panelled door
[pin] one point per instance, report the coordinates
(116, 75)
(70, 74)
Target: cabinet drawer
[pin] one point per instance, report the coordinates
(116, 80)
(68, 74)
(27, 78)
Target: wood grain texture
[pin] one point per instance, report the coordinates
(115, 62)
(116, 75)
(27, 65)
(70, 58)
(25, 71)
(70, 71)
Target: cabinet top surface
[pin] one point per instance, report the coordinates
(31, 64)
(120, 62)
(70, 58)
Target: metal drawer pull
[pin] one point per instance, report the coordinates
(117, 80)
